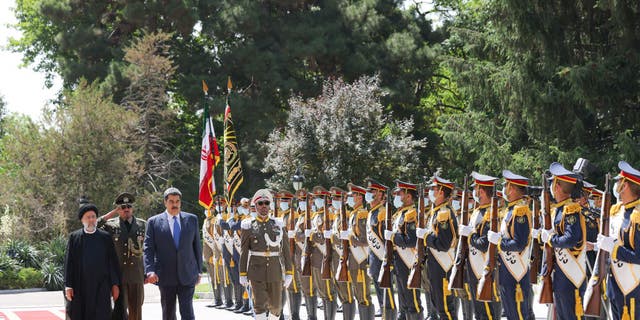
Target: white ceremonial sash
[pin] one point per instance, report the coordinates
(572, 267)
(627, 275)
(477, 258)
(322, 247)
(359, 253)
(407, 255)
(208, 239)
(228, 241)
(237, 243)
(375, 243)
(516, 263)
(218, 241)
(445, 258)
(300, 245)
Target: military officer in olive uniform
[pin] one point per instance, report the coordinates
(127, 232)
(309, 290)
(265, 261)
(359, 251)
(326, 287)
(343, 289)
(289, 217)
(211, 259)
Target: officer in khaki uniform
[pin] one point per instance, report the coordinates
(128, 235)
(359, 251)
(306, 283)
(326, 287)
(265, 261)
(211, 259)
(345, 294)
(222, 274)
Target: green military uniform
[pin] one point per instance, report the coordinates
(326, 287)
(264, 261)
(306, 283)
(211, 259)
(343, 289)
(128, 237)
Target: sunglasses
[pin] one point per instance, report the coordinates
(125, 206)
(263, 203)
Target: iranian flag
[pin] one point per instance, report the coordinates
(209, 157)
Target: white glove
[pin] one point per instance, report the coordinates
(494, 237)
(287, 280)
(606, 243)
(465, 231)
(388, 235)
(291, 234)
(546, 234)
(327, 234)
(244, 281)
(535, 233)
(307, 233)
(595, 247)
(344, 235)
(420, 232)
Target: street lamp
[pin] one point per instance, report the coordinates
(297, 179)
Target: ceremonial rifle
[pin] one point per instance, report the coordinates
(488, 282)
(415, 277)
(536, 250)
(292, 227)
(457, 273)
(546, 292)
(326, 262)
(342, 275)
(384, 279)
(592, 296)
(308, 246)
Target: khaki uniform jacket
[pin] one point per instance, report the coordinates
(128, 245)
(261, 261)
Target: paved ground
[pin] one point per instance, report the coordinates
(44, 305)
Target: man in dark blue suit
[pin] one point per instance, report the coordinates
(173, 256)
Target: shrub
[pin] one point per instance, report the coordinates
(9, 279)
(7, 263)
(23, 252)
(30, 278)
(52, 275)
(53, 250)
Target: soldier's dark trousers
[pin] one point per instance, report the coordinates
(441, 297)
(566, 296)
(410, 303)
(295, 299)
(483, 310)
(267, 297)
(619, 302)
(132, 298)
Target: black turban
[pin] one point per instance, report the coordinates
(86, 208)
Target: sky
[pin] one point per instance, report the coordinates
(22, 88)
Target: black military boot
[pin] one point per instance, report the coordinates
(330, 309)
(311, 304)
(245, 307)
(348, 311)
(294, 305)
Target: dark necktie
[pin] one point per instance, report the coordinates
(176, 231)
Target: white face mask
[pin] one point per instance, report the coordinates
(455, 204)
(284, 206)
(504, 193)
(397, 201)
(336, 204)
(592, 204)
(254, 214)
(426, 201)
(319, 202)
(302, 205)
(475, 196)
(616, 192)
(368, 197)
(243, 210)
(432, 195)
(272, 206)
(350, 202)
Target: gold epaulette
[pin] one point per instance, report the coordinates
(410, 215)
(443, 214)
(571, 208)
(382, 214)
(615, 209)
(521, 210)
(362, 214)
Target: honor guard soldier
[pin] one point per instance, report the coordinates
(230, 224)
(265, 262)
(222, 266)
(514, 248)
(211, 258)
(403, 236)
(359, 251)
(290, 218)
(440, 237)
(623, 284)
(592, 219)
(343, 289)
(127, 232)
(326, 287)
(375, 197)
(306, 283)
(479, 225)
(568, 238)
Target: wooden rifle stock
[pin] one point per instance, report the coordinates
(536, 251)
(487, 283)
(457, 273)
(308, 246)
(326, 262)
(592, 300)
(546, 292)
(384, 279)
(415, 276)
(342, 274)
(292, 240)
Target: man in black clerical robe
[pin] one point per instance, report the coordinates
(91, 271)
